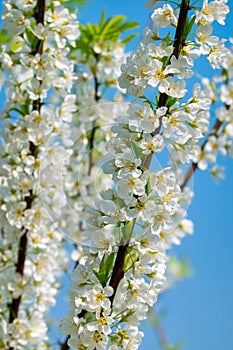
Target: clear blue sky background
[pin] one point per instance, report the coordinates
(200, 308)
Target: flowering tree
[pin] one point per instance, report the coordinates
(82, 165)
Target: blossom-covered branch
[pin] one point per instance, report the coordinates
(22, 250)
(33, 65)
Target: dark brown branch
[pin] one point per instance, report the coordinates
(93, 130)
(39, 17)
(179, 43)
(64, 345)
(118, 272)
(91, 143)
(22, 248)
(22, 252)
(40, 12)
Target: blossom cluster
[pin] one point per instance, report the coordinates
(36, 65)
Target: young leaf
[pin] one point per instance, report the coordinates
(128, 25)
(105, 269)
(102, 18)
(127, 230)
(128, 38)
(188, 26)
(112, 23)
(4, 37)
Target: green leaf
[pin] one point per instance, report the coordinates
(4, 38)
(105, 269)
(112, 23)
(72, 4)
(225, 75)
(148, 186)
(92, 29)
(128, 38)
(112, 35)
(130, 259)
(167, 39)
(137, 150)
(128, 25)
(188, 26)
(171, 101)
(80, 2)
(109, 265)
(33, 40)
(107, 31)
(127, 230)
(102, 18)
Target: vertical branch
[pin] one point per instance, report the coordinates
(22, 248)
(118, 272)
(179, 43)
(93, 130)
(22, 251)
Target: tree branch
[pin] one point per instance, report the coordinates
(118, 272)
(93, 130)
(22, 248)
(179, 43)
(194, 165)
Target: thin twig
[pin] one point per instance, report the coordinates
(194, 165)
(159, 330)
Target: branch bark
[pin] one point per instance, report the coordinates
(23, 243)
(93, 130)
(179, 42)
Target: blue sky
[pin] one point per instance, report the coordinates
(199, 309)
